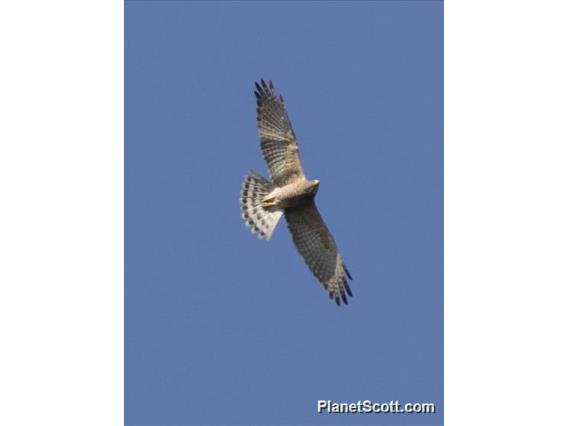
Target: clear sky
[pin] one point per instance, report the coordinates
(223, 328)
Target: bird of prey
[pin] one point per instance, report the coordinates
(290, 194)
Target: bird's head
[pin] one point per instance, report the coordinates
(314, 186)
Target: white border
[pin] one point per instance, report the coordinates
(506, 212)
(61, 214)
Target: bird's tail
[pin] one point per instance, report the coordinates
(262, 221)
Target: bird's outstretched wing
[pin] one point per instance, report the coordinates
(316, 245)
(277, 139)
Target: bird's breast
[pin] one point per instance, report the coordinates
(294, 194)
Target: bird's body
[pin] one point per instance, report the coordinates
(294, 194)
(291, 194)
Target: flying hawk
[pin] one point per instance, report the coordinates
(290, 194)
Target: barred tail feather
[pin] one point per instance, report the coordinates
(261, 221)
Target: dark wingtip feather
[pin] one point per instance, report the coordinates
(337, 301)
(343, 297)
(347, 271)
(347, 288)
(265, 90)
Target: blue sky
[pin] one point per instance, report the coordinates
(222, 328)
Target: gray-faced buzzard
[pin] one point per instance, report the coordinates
(290, 194)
